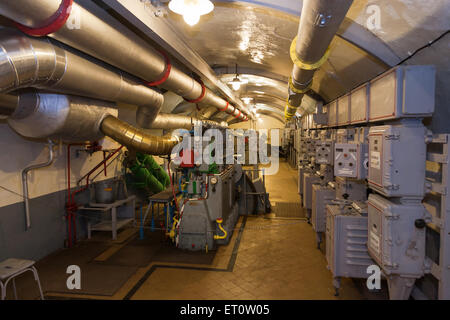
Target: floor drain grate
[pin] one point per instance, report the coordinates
(289, 210)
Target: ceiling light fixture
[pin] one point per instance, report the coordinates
(237, 82)
(191, 10)
(247, 100)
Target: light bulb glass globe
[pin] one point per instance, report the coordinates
(247, 100)
(191, 10)
(236, 85)
(191, 18)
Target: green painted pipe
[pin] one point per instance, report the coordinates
(143, 175)
(154, 168)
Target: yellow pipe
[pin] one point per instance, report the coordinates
(217, 237)
(172, 231)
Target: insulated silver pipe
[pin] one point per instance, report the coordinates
(319, 22)
(72, 118)
(174, 121)
(25, 181)
(41, 63)
(56, 116)
(8, 104)
(136, 138)
(120, 48)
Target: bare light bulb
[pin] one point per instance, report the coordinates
(236, 85)
(191, 10)
(191, 18)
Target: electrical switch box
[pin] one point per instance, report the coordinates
(309, 179)
(397, 235)
(404, 91)
(397, 158)
(343, 106)
(345, 135)
(332, 114)
(353, 189)
(346, 243)
(321, 196)
(351, 160)
(359, 105)
(324, 152)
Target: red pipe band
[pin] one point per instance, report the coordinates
(239, 114)
(56, 21)
(226, 107)
(201, 96)
(166, 73)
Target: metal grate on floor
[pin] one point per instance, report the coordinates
(289, 210)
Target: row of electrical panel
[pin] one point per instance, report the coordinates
(402, 92)
(362, 187)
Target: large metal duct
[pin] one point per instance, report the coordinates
(73, 118)
(56, 116)
(319, 22)
(174, 121)
(41, 63)
(120, 48)
(136, 138)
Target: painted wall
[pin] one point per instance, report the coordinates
(47, 193)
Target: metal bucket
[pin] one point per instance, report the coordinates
(106, 191)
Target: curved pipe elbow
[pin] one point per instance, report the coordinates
(136, 138)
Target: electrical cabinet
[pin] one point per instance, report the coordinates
(397, 157)
(359, 105)
(351, 160)
(301, 172)
(308, 179)
(345, 135)
(325, 152)
(355, 189)
(332, 114)
(397, 236)
(310, 147)
(321, 196)
(343, 109)
(346, 242)
(405, 91)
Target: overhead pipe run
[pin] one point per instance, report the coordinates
(319, 22)
(136, 138)
(174, 121)
(41, 63)
(72, 118)
(25, 181)
(122, 48)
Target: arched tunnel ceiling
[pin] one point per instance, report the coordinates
(257, 34)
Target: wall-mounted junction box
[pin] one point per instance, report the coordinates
(404, 91)
(332, 114)
(356, 189)
(325, 152)
(359, 105)
(397, 157)
(397, 236)
(343, 110)
(345, 135)
(351, 160)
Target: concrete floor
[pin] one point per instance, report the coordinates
(267, 258)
